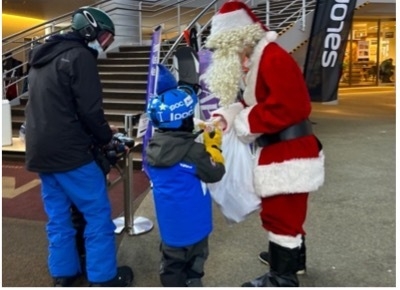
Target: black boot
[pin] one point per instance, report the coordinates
(70, 281)
(264, 258)
(302, 269)
(283, 267)
(124, 278)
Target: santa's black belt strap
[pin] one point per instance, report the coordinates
(301, 129)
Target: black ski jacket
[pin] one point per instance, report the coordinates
(64, 114)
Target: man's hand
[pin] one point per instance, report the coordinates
(114, 129)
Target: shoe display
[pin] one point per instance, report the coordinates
(124, 278)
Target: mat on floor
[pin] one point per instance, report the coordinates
(21, 192)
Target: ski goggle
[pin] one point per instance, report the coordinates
(105, 38)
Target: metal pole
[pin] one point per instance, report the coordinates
(140, 23)
(303, 16)
(128, 181)
(178, 18)
(138, 225)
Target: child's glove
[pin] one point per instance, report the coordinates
(213, 141)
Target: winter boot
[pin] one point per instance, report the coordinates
(194, 282)
(283, 266)
(70, 281)
(124, 278)
(264, 258)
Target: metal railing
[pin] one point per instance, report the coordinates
(19, 45)
(287, 12)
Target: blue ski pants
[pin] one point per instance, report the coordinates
(86, 188)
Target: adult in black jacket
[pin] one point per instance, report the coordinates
(64, 121)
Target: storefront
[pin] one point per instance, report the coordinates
(370, 54)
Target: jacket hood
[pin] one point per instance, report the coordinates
(55, 45)
(168, 148)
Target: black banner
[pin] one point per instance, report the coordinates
(327, 44)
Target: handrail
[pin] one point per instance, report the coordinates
(189, 26)
(301, 13)
(5, 39)
(15, 44)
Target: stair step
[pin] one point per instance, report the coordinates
(128, 48)
(124, 91)
(124, 84)
(129, 54)
(124, 104)
(123, 61)
(131, 76)
(123, 68)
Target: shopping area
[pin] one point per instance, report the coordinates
(370, 55)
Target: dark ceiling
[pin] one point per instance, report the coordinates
(42, 9)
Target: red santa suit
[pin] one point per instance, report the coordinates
(275, 102)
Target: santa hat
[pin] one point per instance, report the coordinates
(237, 16)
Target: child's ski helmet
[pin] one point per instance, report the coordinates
(169, 109)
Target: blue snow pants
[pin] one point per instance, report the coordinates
(86, 188)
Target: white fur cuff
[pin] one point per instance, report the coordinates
(242, 126)
(228, 114)
(285, 241)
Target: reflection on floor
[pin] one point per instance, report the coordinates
(17, 145)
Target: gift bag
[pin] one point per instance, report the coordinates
(234, 194)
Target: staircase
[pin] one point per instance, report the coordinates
(279, 16)
(124, 78)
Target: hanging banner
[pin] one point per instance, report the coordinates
(208, 101)
(151, 87)
(327, 44)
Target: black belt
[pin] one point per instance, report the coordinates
(301, 129)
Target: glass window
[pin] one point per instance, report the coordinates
(361, 54)
(370, 54)
(387, 52)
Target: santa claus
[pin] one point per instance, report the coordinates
(273, 114)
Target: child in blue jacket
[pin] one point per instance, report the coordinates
(179, 167)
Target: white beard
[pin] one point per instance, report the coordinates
(223, 76)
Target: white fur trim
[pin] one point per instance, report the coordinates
(228, 113)
(231, 20)
(242, 126)
(285, 241)
(249, 93)
(292, 176)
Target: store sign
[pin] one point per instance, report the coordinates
(327, 43)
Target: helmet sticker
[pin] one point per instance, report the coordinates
(170, 108)
(90, 18)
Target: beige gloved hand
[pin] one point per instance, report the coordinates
(213, 142)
